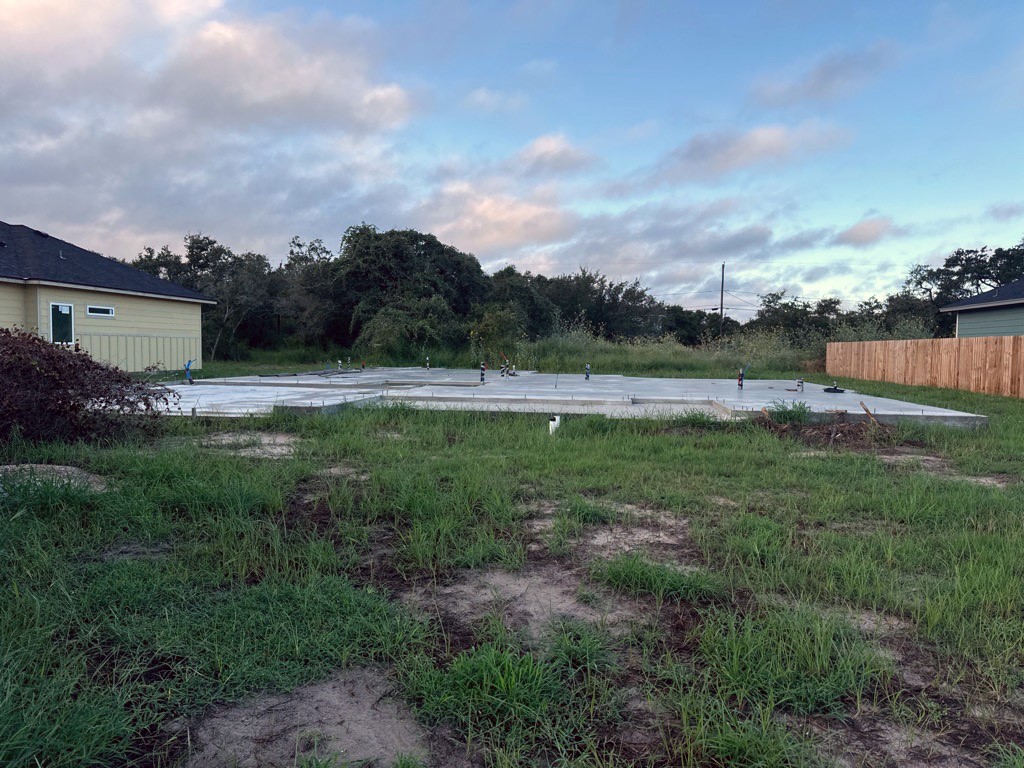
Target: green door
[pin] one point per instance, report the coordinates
(62, 323)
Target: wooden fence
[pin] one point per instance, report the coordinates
(990, 364)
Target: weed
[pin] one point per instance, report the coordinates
(793, 659)
(634, 574)
(795, 412)
(712, 731)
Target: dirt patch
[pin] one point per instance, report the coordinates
(877, 439)
(867, 739)
(722, 501)
(347, 472)
(527, 601)
(541, 519)
(351, 717)
(136, 550)
(254, 445)
(940, 467)
(875, 623)
(663, 536)
(53, 473)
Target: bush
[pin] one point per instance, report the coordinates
(52, 392)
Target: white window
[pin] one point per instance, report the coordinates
(94, 311)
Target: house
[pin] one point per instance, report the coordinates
(119, 314)
(999, 312)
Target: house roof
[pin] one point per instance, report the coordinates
(30, 255)
(1004, 295)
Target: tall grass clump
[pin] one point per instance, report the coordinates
(524, 709)
(711, 730)
(797, 660)
(636, 575)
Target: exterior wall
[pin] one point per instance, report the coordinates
(12, 305)
(143, 332)
(997, 321)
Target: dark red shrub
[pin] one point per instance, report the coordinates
(52, 392)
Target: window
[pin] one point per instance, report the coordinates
(62, 323)
(93, 311)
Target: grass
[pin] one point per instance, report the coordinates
(795, 660)
(769, 355)
(636, 575)
(557, 704)
(251, 586)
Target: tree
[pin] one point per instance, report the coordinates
(964, 273)
(695, 326)
(621, 310)
(517, 292)
(308, 299)
(237, 282)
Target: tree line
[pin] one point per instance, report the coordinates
(397, 292)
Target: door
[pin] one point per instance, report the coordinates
(62, 323)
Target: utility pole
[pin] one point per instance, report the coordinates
(721, 305)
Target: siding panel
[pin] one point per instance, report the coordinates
(142, 333)
(1008, 321)
(12, 305)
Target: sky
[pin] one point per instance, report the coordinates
(821, 148)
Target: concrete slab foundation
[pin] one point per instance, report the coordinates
(531, 392)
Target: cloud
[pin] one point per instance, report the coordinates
(833, 76)
(1005, 211)
(486, 222)
(672, 248)
(488, 100)
(539, 67)
(710, 156)
(801, 241)
(258, 73)
(550, 154)
(165, 118)
(869, 231)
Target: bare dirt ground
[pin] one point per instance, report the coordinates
(657, 533)
(346, 472)
(940, 467)
(351, 717)
(53, 473)
(255, 445)
(868, 740)
(880, 440)
(527, 601)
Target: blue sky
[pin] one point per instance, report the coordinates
(816, 147)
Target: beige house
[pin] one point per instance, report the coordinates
(117, 313)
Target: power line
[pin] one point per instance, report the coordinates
(741, 299)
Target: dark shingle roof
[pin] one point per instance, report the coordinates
(1011, 293)
(28, 254)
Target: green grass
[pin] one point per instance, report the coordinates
(520, 707)
(246, 592)
(792, 659)
(709, 730)
(636, 575)
(768, 355)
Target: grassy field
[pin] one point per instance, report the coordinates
(768, 355)
(617, 594)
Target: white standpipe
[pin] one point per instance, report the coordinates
(553, 424)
